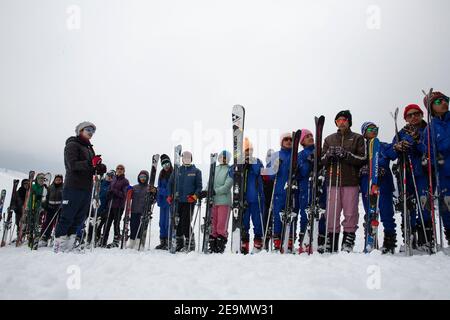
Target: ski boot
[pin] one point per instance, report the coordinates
(425, 238)
(60, 244)
(329, 244)
(257, 245)
(221, 244)
(321, 243)
(114, 244)
(212, 245)
(188, 247)
(180, 244)
(163, 245)
(276, 242)
(245, 247)
(43, 243)
(131, 244)
(348, 241)
(389, 243)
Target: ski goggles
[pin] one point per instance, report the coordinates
(142, 177)
(440, 101)
(372, 129)
(413, 114)
(339, 121)
(166, 165)
(89, 130)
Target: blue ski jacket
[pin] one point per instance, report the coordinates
(305, 167)
(104, 187)
(254, 185)
(189, 182)
(282, 160)
(163, 193)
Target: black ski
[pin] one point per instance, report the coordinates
(174, 215)
(209, 203)
(25, 211)
(288, 216)
(150, 198)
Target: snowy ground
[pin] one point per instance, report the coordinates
(127, 274)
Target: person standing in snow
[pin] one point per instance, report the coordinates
(305, 166)
(20, 200)
(409, 148)
(344, 153)
(441, 126)
(254, 200)
(189, 187)
(81, 164)
(279, 165)
(140, 192)
(164, 207)
(386, 188)
(117, 194)
(52, 206)
(220, 212)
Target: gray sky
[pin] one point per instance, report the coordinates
(151, 74)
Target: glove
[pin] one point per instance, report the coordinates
(100, 169)
(310, 158)
(364, 171)
(402, 146)
(340, 152)
(192, 198)
(152, 189)
(331, 153)
(204, 194)
(412, 131)
(169, 200)
(96, 160)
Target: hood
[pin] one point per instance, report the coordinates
(146, 173)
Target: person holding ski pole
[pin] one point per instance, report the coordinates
(52, 206)
(117, 194)
(138, 206)
(279, 167)
(254, 200)
(81, 164)
(410, 154)
(440, 138)
(305, 170)
(189, 188)
(385, 185)
(344, 154)
(164, 207)
(223, 182)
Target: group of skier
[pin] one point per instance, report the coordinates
(346, 165)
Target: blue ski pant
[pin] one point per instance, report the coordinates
(74, 211)
(254, 212)
(386, 209)
(444, 201)
(164, 215)
(279, 204)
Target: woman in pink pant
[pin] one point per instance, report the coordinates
(222, 203)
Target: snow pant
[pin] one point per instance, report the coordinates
(114, 217)
(386, 205)
(279, 204)
(444, 201)
(164, 216)
(49, 222)
(185, 211)
(220, 217)
(254, 213)
(135, 224)
(74, 211)
(347, 201)
(304, 201)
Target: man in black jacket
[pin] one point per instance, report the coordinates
(81, 164)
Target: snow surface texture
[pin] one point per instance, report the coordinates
(127, 274)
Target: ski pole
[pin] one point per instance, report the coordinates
(328, 215)
(338, 175)
(50, 223)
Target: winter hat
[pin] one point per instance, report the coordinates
(143, 172)
(411, 107)
(365, 126)
(165, 159)
(247, 144)
(346, 114)
(187, 157)
(284, 136)
(305, 132)
(83, 125)
(111, 173)
(434, 96)
(224, 155)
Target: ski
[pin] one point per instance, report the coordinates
(209, 204)
(174, 215)
(313, 211)
(149, 203)
(238, 119)
(288, 216)
(37, 217)
(23, 219)
(373, 194)
(127, 217)
(7, 220)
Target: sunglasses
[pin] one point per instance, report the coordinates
(440, 101)
(120, 168)
(287, 139)
(413, 114)
(341, 120)
(375, 129)
(89, 130)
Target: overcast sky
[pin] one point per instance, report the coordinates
(151, 74)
